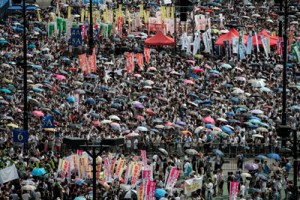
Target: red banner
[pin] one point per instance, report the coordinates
(129, 62)
(140, 60)
(92, 62)
(120, 25)
(83, 31)
(147, 54)
(83, 63)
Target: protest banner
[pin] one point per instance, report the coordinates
(192, 185)
(174, 174)
(234, 190)
(8, 174)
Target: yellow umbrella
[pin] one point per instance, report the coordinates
(199, 56)
(50, 129)
(216, 31)
(11, 125)
(4, 80)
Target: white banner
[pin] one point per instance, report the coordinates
(192, 185)
(235, 45)
(8, 174)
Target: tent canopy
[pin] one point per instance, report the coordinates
(273, 39)
(159, 40)
(233, 33)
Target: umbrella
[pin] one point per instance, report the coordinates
(139, 118)
(262, 129)
(186, 82)
(131, 194)
(274, 156)
(226, 66)
(38, 113)
(11, 125)
(28, 182)
(160, 193)
(4, 90)
(105, 121)
(208, 120)
(191, 152)
(149, 112)
(258, 83)
(80, 198)
(142, 128)
(29, 187)
(258, 136)
(261, 157)
(226, 129)
(138, 106)
(115, 126)
(258, 112)
(261, 176)
(246, 175)
(79, 182)
(133, 134)
(234, 100)
(60, 77)
(114, 117)
(70, 99)
(218, 152)
(163, 151)
(96, 123)
(251, 166)
(38, 172)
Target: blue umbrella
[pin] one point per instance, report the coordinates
(197, 101)
(180, 123)
(157, 120)
(206, 102)
(218, 152)
(3, 42)
(4, 90)
(90, 101)
(31, 46)
(70, 99)
(230, 113)
(264, 124)
(234, 100)
(38, 172)
(103, 87)
(254, 121)
(209, 125)
(274, 156)
(37, 90)
(80, 198)
(116, 105)
(37, 67)
(193, 95)
(226, 129)
(241, 109)
(228, 85)
(261, 157)
(261, 176)
(160, 193)
(232, 121)
(294, 108)
(254, 117)
(79, 182)
(102, 100)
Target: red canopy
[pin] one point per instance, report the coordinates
(159, 40)
(273, 39)
(233, 33)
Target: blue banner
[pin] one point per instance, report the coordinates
(94, 2)
(20, 136)
(76, 38)
(47, 121)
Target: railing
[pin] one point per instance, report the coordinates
(4, 4)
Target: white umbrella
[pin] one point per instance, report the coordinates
(258, 112)
(106, 121)
(258, 83)
(222, 119)
(142, 128)
(163, 151)
(114, 117)
(262, 129)
(191, 152)
(29, 187)
(258, 136)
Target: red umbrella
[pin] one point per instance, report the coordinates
(139, 117)
(209, 11)
(150, 112)
(198, 70)
(209, 120)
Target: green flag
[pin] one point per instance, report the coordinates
(64, 26)
(50, 29)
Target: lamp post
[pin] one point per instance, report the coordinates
(103, 143)
(25, 92)
(91, 39)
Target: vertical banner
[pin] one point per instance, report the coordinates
(140, 194)
(83, 63)
(65, 168)
(146, 175)
(20, 136)
(119, 168)
(51, 29)
(174, 174)
(69, 12)
(264, 43)
(38, 15)
(140, 60)
(82, 15)
(127, 172)
(120, 25)
(235, 45)
(234, 190)
(107, 170)
(76, 38)
(144, 157)
(149, 195)
(76, 104)
(249, 44)
(129, 62)
(256, 42)
(147, 54)
(227, 49)
(92, 61)
(57, 9)
(112, 167)
(135, 172)
(241, 53)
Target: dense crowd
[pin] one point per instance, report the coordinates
(209, 103)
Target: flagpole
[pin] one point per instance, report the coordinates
(91, 39)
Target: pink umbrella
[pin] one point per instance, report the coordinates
(188, 82)
(96, 123)
(133, 134)
(209, 120)
(60, 77)
(139, 117)
(137, 75)
(38, 113)
(198, 70)
(169, 124)
(190, 61)
(152, 69)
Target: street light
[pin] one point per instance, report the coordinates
(94, 154)
(91, 39)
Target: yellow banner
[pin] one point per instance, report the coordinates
(82, 15)
(38, 15)
(173, 12)
(164, 13)
(69, 12)
(60, 162)
(146, 16)
(141, 10)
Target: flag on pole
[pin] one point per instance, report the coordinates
(8, 174)
(140, 60)
(57, 10)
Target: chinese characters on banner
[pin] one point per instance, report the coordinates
(140, 60)
(129, 62)
(147, 54)
(234, 190)
(76, 39)
(92, 62)
(83, 63)
(174, 174)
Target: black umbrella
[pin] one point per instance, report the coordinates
(131, 194)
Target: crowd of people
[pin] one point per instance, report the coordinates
(190, 112)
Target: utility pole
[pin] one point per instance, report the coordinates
(295, 150)
(91, 39)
